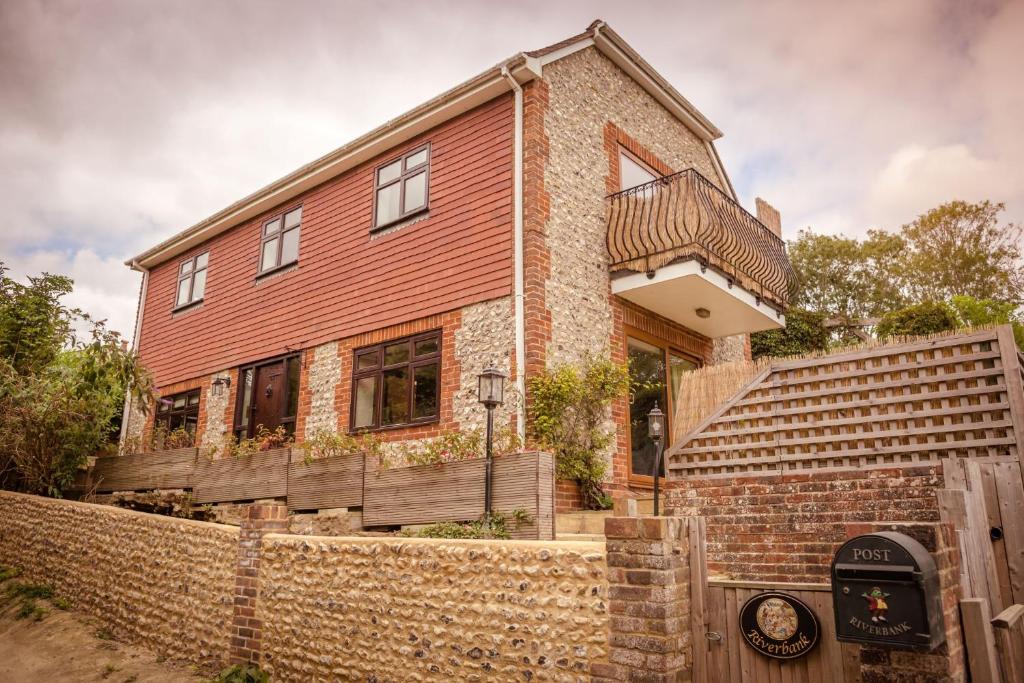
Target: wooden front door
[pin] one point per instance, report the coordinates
(269, 394)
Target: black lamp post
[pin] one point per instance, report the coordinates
(491, 393)
(656, 430)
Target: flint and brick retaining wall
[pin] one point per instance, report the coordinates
(165, 583)
(787, 527)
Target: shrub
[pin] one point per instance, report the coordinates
(567, 413)
(242, 673)
(466, 444)
(921, 319)
(328, 444)
(265, 440)
(496, 526)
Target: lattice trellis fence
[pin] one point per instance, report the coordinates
(915, 402)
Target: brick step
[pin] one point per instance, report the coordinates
(589, 522)
(580, 537)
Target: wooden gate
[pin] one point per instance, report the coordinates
(722, 656)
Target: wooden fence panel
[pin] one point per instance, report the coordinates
(1009, 636)
(145, 471)
(260, 475)
(424, 494)
(899, 404)
(326, 483)
(1010, 494)
(526, 481)
(982, 661)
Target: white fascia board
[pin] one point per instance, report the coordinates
(489, 85)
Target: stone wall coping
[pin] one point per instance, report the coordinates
(568, 546)
(109, 509)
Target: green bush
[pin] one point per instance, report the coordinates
(242, 673)
(494, 527)
(930, 317)
(805, 332)
(568, 408)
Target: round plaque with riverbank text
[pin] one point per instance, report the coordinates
(779, 626)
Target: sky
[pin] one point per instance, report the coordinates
(124, 122)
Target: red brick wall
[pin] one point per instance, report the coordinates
(788, 527)
(348, 281)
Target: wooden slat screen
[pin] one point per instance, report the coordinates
(325, 483)
(159, 470)
(423, 494)
(901, 404)
(261, 475)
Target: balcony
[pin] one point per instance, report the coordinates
(680, 247)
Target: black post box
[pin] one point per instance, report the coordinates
(885, 591)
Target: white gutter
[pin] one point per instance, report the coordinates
(517, 202)
(139, 310)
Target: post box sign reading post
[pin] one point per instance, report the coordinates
(885, 591)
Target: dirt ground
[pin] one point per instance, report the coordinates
(71, 646)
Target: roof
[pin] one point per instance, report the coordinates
(523, 66)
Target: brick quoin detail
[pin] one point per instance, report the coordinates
(258, 520)
(648, 600)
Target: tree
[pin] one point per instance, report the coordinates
(959, 249)
(805, 332)
(60, 396)
(971, 312)
(929, 317)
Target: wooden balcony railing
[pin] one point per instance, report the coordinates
(685, 217)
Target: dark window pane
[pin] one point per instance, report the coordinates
(415, 192)
(387, 204)
(179, 402)
(368, 359)
(414, 160)
(294, 366)
(389, 172)
(269, 254)
(366, 396)
(193, 399)
(425, 347)
(183, 292)
(646, 387)
(425, 391)
(290, 246)
(395, 397)
(198, 285)
(396, 353)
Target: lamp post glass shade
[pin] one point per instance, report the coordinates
(491, 387)
(656, 423)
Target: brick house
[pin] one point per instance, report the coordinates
(568, 201)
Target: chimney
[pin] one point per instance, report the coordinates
(769, 215)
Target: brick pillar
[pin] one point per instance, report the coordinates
(649, 600)
(946, 663)
(258, 520)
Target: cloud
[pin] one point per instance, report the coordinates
(125, 122)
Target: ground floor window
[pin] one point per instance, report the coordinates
(397, 383)
(655, 370)
(268, 396)
(178, 411)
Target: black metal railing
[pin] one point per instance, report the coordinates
(684, 216)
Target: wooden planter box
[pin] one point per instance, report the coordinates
(143, 472)
(325, 482)
(454, 492)
(260, 475)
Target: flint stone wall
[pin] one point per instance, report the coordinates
(162, 582)
(586, 91)
(431, 610)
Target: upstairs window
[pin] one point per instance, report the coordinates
(401, 187)
(633, 172)
(397, 382)
(280, 241)
(191, 280)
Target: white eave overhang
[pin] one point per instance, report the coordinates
(678, 290)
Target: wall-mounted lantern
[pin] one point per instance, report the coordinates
(221, 384)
